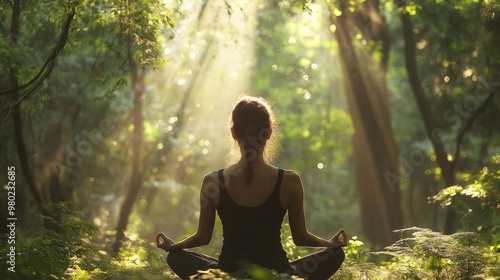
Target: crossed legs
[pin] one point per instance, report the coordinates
(186, 263)
(320, 265)
(317, 266)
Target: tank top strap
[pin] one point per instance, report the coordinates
(222, 184)
(277, 187)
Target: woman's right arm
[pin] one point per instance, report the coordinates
(206, 220)
(296, 215)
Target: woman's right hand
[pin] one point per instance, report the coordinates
(164, 242)
(339, 239)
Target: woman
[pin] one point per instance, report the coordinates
(251, 198)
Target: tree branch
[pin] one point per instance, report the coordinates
(466, 128)
(44, 72)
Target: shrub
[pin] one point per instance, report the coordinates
(47, 254)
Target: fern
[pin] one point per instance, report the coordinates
(429, 254)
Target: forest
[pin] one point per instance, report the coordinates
(112, 112)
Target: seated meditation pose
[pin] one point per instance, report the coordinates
(251, 198)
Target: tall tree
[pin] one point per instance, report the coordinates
(140, 23)
(364, 42)
(19, 93)
(446, 158)
(136, 177)
(17, 117)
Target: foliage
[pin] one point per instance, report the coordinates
(428, 254)
(50, 252)
(358, 263)
(292, 251)
(80, 251)
(478, 202)
(458, 66)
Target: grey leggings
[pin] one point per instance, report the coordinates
(317, 266)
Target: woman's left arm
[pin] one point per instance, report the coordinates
(205, 223)
(296, 216)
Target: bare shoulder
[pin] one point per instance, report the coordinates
(210, 182)
(210, 188)
(291, 187)
(211, 177)
(291, 178)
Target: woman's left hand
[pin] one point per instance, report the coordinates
(339, 239)
(164, 242)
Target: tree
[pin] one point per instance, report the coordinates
(375, 148)
(140, 39)
(18, 93)
(447, 161)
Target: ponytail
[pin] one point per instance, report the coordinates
(252, 121)
(250, 151)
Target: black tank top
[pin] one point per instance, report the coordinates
(252, 234)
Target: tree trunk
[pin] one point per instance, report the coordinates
(17, 118)
(375, 149)
(136, 177)
(433, 132)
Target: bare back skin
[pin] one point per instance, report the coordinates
(259, 190)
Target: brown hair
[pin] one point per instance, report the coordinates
(252, 120)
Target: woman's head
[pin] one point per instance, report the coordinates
(254, 127)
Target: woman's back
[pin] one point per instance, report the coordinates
(252, 194)
(251, 221)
